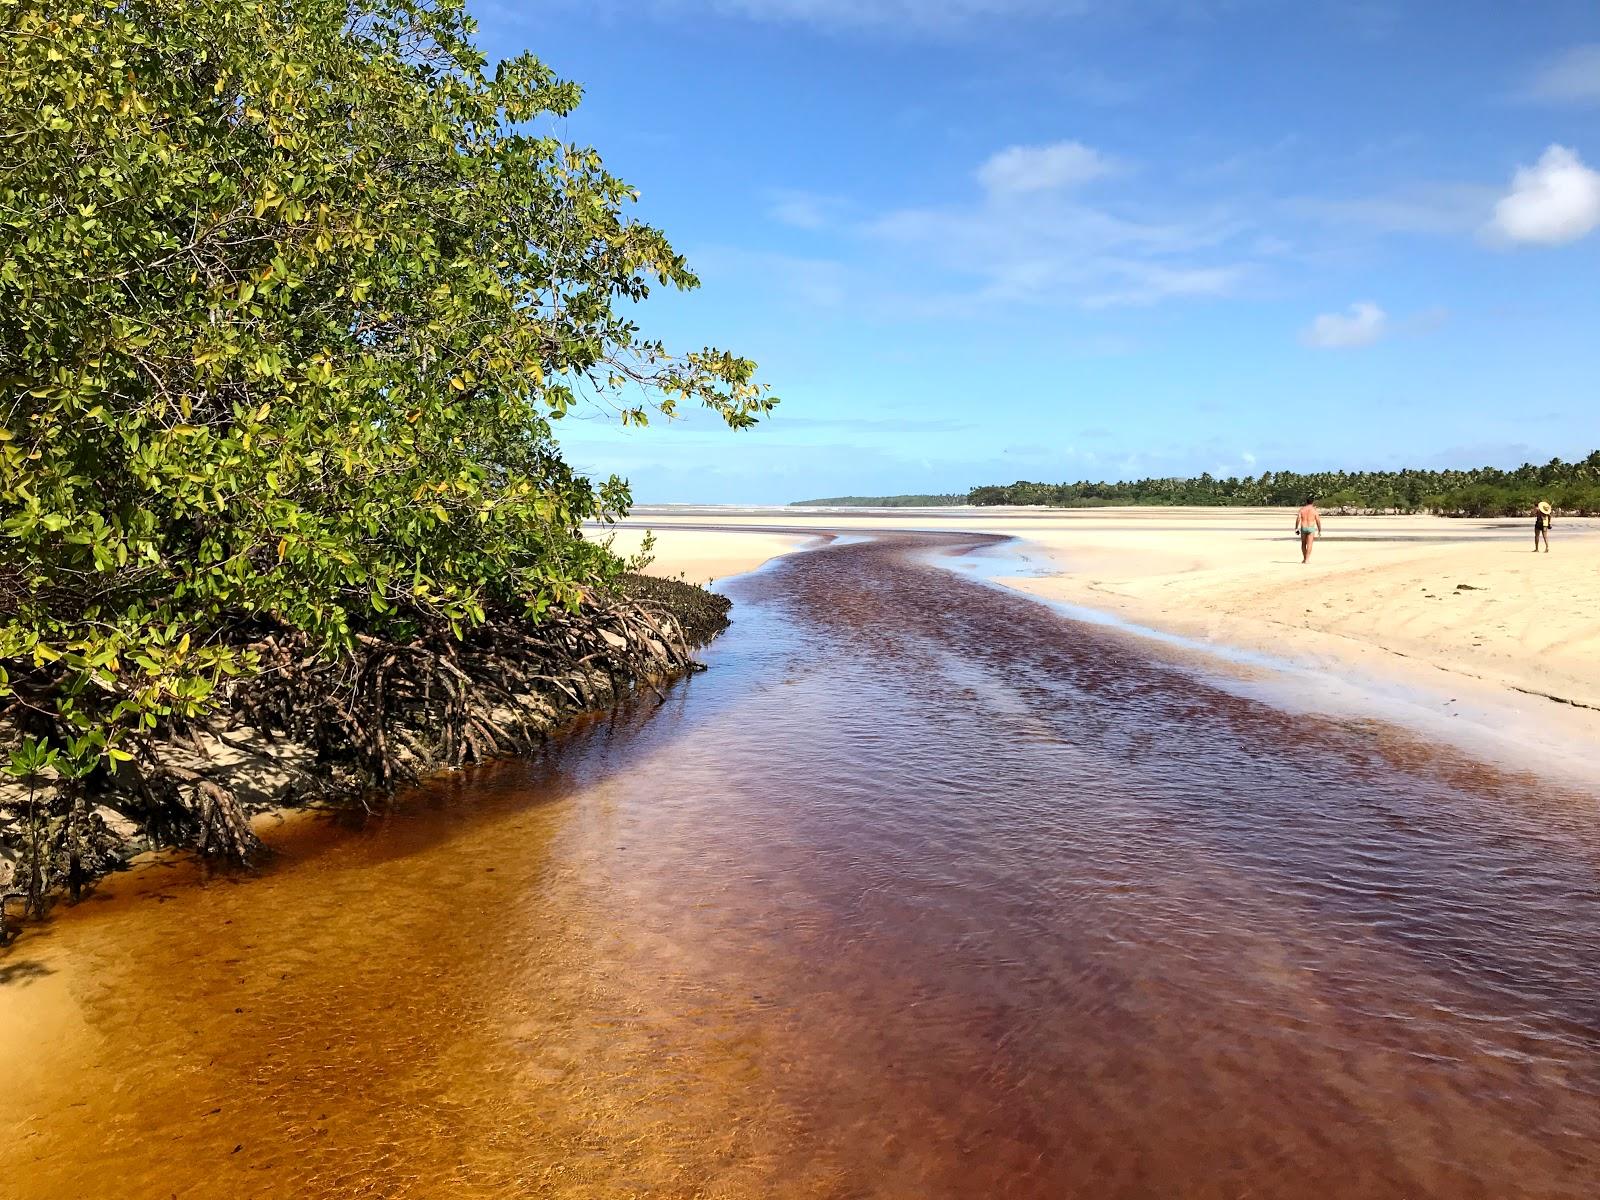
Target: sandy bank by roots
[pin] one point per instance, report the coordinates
(704, 556)
(307, 728)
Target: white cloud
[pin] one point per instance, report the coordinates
(1021, 169)
(803, 210)
(1569, 78)
(1027, 241)
(1041, 248)
(1556, 200)
(1364, 324)
(1147, 283)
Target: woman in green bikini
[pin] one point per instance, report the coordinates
(1308, 524)
(1542, 520)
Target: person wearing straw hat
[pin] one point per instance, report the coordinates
(1542, 521)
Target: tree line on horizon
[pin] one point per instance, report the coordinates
(1570, 487)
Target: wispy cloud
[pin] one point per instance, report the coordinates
(1554, 201)
(874, 424)
(804, 210)
(1572, 77)
(813, 283)
(1017, 170)
(1090, 85)
(1137, 283)
(1364, 324)
(1028, 239)
(949, 17)
(894, 15)
(1445, 209)
(1236, 165)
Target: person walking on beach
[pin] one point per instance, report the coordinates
(1308, 524)
(1542, 520)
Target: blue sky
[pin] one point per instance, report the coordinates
(974, 241)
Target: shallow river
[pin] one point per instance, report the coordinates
(921, 891)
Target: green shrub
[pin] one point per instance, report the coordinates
(290, 295)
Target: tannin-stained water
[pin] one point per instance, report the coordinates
(922, 891)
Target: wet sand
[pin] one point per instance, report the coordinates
(921, 891)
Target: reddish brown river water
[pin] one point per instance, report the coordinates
(921, 891)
